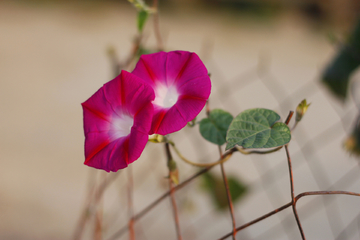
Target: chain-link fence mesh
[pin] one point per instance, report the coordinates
(319, 163)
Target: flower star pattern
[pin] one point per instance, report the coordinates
(117, 120)
(164, 92)
(181, 85)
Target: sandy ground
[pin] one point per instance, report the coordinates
(53, 57)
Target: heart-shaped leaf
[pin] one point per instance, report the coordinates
(257, 128)
(214, 127)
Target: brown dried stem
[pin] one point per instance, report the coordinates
(142, 213)
(94, 198)
(99, 215)
(292, 193)
(292, 182)
(291, 113)
(258, 220)
(293, 198)
(85, 214)
(325, 193)
(158, 37)
(288, 205)
(130, 203)
(175, 211)
(172, 195)
(98, 223)
(228, 195)
(135, 49)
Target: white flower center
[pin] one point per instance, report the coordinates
(165, 96)
(122, 125)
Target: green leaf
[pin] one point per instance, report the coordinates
(216, 188)
(141, 19)
(337, 74)
(214, 127)
(257, 128)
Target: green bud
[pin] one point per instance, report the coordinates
(301, 110)
(174, 176)
(173, 171)
(172, 165)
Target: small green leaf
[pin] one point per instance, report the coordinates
(214, 127)
(141, 19)
(216, 188)
(257, 128)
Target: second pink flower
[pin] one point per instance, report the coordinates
(181, 85)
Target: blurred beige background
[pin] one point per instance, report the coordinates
(53, 57)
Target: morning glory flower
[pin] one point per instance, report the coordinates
(117, 120)
(181, 85)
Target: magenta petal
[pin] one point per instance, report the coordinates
(137, 144)
(199, 87)
(143, 119)
(127, 92)
(140, 132)
(183, 66)
(96, 113)
(181, 85)
(175, 118)
(151, 67)
(189, 106)
(167, 121)
(117, 115)
(111, 156)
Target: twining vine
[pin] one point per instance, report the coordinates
(147, 104)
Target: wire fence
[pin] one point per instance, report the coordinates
(319, 164)
(139, 202)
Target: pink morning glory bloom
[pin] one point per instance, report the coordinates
(181, 85)
(117, 120)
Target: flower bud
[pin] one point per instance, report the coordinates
(173, 171)
(301, 110)
(157, 138)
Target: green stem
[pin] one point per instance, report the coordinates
(222, 160)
